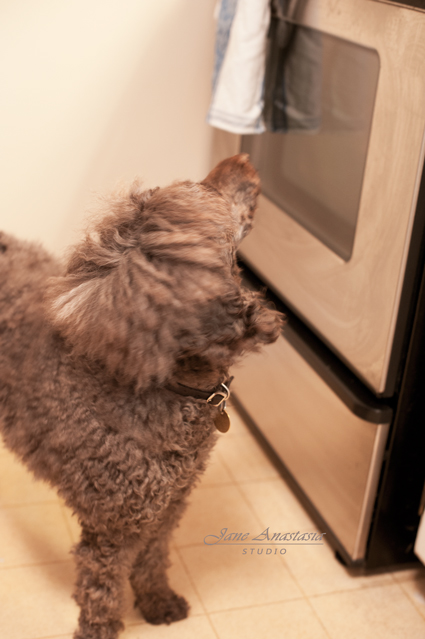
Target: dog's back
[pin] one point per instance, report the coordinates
(24, 270)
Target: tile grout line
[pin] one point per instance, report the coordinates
(226, 467)
(198, 594)
(213, 628)
(342, 591)
(207, 613)
(412, 599)
(68, 527)
(45, 502)
(37, 565)
(253, 605)
(261, 480)
(215, 485)
(317, 617)
(189, 576)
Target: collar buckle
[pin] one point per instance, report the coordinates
(223, 395)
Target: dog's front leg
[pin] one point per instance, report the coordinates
(157, 602)
(102, 567)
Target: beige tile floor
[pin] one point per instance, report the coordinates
(305, 594)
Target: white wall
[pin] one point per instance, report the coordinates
(93, 92)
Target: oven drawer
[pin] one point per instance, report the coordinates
(331, 444)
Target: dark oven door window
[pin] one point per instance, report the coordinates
(314, 171)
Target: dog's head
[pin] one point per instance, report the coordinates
(153, 290)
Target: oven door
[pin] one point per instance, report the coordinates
(351, 296)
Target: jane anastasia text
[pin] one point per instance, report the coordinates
(266, 537)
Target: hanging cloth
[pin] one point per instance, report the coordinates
(238, 81)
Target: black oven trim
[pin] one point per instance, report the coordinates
(418, 5)
(394, 527)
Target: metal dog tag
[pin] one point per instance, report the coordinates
(222, 421)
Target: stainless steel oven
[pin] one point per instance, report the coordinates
(338, 240)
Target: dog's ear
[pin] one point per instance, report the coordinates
(113, 305)
(117, 315)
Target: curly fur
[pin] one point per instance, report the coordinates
(151, 295)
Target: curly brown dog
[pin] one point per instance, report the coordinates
(94, 359)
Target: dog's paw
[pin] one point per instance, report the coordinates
(99, 631)
(163, 607)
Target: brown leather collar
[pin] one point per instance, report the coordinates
(216, 396)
